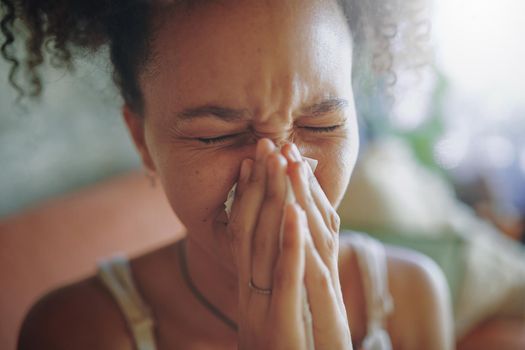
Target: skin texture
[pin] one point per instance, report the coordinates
(279, 76)
(258, 76)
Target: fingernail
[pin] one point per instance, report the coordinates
(263, 149)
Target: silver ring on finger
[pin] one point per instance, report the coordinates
(259, 290)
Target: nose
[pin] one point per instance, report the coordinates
(279, 139)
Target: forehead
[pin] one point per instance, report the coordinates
(250, 52)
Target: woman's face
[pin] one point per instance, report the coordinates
(228, 73)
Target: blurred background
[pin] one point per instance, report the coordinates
(463, 117)
(441, 168)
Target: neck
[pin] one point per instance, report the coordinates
(212, 272)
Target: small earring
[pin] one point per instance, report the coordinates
(151, 177)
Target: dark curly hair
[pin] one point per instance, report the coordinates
(382, 30)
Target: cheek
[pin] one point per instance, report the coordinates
(196, 189)
(335, 168)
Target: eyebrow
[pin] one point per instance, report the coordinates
(328, 106)
(324, 107)
(227, 114)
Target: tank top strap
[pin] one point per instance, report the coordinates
(115, 274)
(372, 263)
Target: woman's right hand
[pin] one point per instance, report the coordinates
(275, 321)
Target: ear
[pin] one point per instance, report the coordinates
(135, 124)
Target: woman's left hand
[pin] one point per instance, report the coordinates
(322, 248)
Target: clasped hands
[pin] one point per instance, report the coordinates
(307, 255)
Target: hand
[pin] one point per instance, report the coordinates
(274, 321)
(322, 247)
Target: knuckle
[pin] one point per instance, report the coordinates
(309, 199)
(331, 245)
(252, 191)
(323, 278)
(257, 175)
(273, 198)
(335, 222)
(260, 246)
(288, 243)
(283, 279)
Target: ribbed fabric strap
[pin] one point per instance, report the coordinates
(116, 276)
(372, 263)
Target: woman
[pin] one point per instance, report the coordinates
(218, 93)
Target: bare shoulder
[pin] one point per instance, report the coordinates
(80, 316)
(423, 314)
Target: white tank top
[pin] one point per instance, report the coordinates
(116, 276)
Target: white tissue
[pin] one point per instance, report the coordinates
(289, 198)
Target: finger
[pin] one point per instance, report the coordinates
(240, 186)
(324, 205)
(328, 312)
(244, 218)
(266, 236)
(325, 241)
(288, 276)
(244, 175)
(234, 230)
(332, 222)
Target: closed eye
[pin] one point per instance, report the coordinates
(218, 139)
(322, 129)
(221, 139)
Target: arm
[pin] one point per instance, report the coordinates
(80, 316)
(423, 315)
(499, 333)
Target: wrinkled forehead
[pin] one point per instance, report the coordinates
(201, 45)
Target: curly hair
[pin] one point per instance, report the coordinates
(385, 33)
